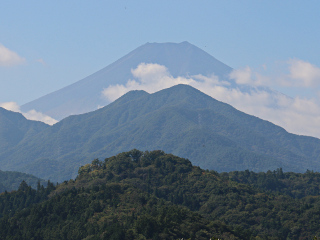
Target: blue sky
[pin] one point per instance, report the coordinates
(55, 43)
(76, 38)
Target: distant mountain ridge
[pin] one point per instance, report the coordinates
(179, 120)
(10, 181)
(14, 127)
(181, 59)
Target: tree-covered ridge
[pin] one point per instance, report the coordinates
(153, 195)
(296, 185)
(250, 210)
(24, 197)
(99, 205)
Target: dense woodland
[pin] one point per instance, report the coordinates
(153, 195)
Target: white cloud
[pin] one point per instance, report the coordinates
(8, 57)
(303, 73)
(31, 115)
(150, 72)
(151, 78)
(11, 106)
(246, 76)
(40, 60)
(38, 116)
(242, 76)
(297, 115)
(115, 91)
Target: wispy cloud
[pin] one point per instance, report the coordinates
(246, 76)
(9, 57)
(296, 114)
(40, 60)
(296, 74)
(242, 76)
(303, 74)
(31, 115)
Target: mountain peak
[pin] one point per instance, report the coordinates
(168, 43)
(132, 95)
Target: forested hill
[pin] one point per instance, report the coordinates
(180, 120)
(153, 195)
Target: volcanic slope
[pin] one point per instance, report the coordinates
(179, 120)
(181, 59)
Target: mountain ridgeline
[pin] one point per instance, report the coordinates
(153, 195)
(180, 120)
(10, 181)
(14, 128)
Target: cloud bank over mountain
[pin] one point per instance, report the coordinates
(297, 114)
(180, 59)
(31, 115)
(286, 94)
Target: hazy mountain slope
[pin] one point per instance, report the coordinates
(85, 95)
(14, 127)
(11, 180)
(179, 120)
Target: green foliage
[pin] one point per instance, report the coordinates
(23, 198)
(153, 195)
(296, 185)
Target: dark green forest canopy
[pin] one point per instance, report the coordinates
(153, 195)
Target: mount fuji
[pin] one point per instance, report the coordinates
(180, 59)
